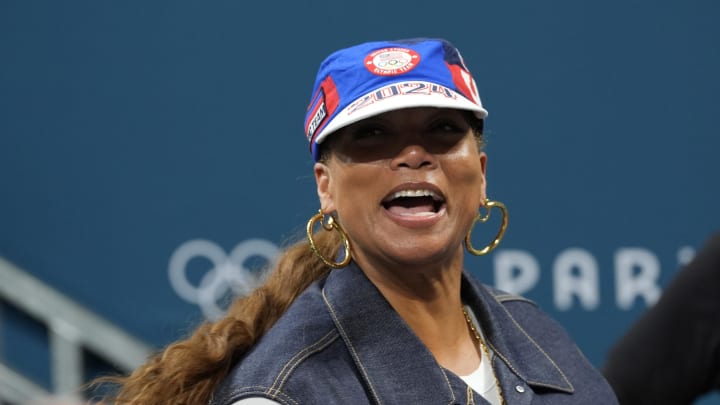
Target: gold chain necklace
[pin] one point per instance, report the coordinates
(485, 350)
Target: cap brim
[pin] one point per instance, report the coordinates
(352, 113)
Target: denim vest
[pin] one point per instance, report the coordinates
(341, 342)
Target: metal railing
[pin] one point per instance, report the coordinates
(71, 330)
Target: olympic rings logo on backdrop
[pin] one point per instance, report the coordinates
(227, 274)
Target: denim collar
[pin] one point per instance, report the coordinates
(510, 342)
(380, 342)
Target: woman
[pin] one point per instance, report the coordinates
(375, 307)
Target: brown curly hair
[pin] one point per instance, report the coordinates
(187, 371)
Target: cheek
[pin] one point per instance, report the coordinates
(472, 174)
(471, 184)
(354, 185)
(467, 178)
(467, 167)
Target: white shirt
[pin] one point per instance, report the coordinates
(483, 379)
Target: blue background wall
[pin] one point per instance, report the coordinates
(130, 128)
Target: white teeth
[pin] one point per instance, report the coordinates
(414, 193)
(419, 214)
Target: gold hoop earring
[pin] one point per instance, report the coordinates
(489, 205)
(328, 226)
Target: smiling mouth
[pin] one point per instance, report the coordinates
(414, 202)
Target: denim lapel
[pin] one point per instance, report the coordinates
(395, 365)
(512, 344)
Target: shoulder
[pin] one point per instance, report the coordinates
(526, 316)
(516, 316)
(505, 297)
(288, 352)
(536, 346)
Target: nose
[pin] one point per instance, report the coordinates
(413, 156)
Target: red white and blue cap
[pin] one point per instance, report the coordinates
(376, 77)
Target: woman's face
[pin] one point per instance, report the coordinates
(405, 185)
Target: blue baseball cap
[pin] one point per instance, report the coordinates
(376, 77)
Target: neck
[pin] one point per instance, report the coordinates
(444, 330)
(428, 300)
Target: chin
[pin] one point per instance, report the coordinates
(424, 254)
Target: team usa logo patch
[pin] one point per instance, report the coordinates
(391, 61)
(317, 118)
(323, 105)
